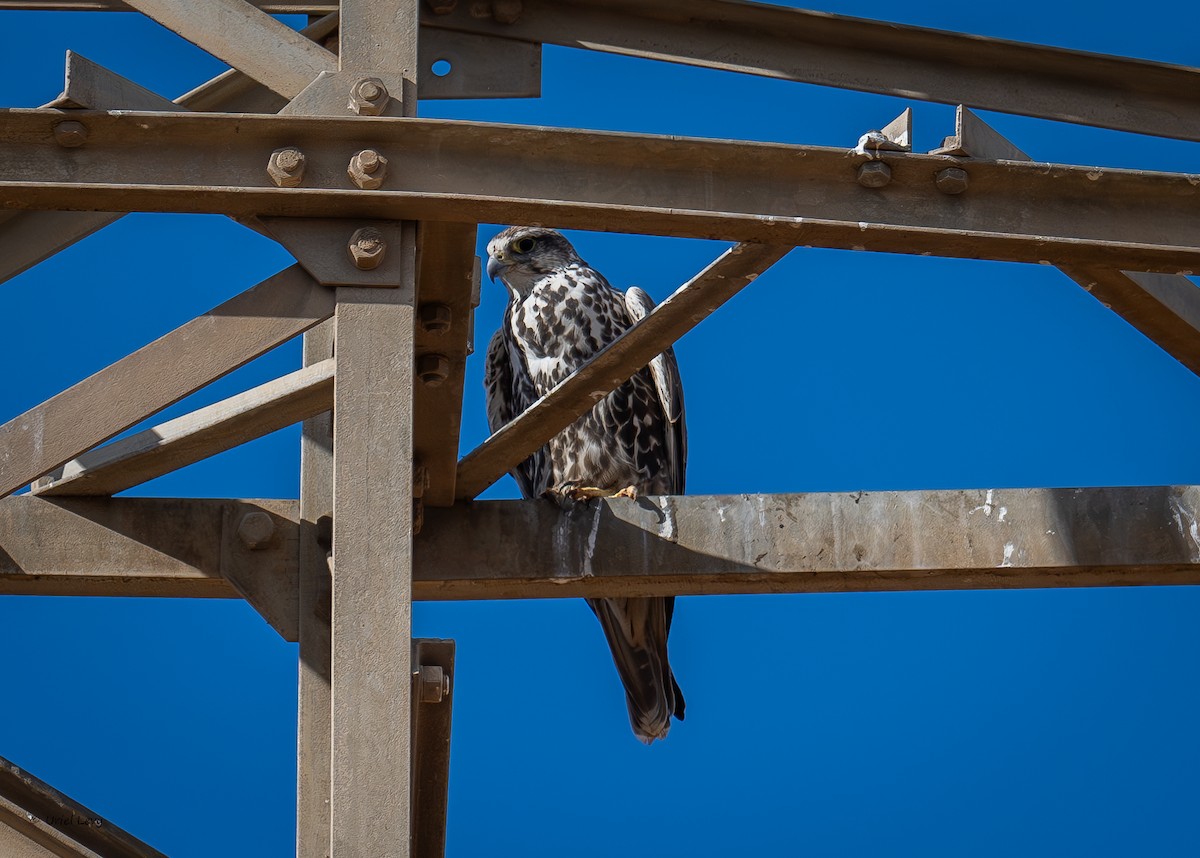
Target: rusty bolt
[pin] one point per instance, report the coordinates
(256, 529)
(368, 96)
(433, 369)
(434, 684)
(435, 317)
(70, 133)
(442, 7)
(874, 174)
(286, 167)
(367, 169)
(367, 247)
(506, 11)
(952, 180)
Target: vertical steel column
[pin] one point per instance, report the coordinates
(371, 764)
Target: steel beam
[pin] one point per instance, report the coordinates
(184, 440)
(576, 394)
(38, 821)
(833, 50)
(153, 547)
(1164, 307)
(159, 374)
(447, 294)
(793, 543)
(247, 38)
(477, 172)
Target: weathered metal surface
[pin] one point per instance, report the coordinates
(1164, 307)
(314, 731)
(320, 245)
(90, 85)
(159, 374)
(247, 38)
(275, 7)
(447, 293)
(473, 172)
(38, 820)
(973, 539)
(575, 395)
(431, 749)
(195, 436)
(801, 543)
(480, 66)
(873, 56)
(150, 547)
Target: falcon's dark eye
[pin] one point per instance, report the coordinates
(523, 245)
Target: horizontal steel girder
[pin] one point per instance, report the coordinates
(792, 543)
(473, 172)
(834, 50)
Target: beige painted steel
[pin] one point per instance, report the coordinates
(792, 543)
(38, 820)
(873, 56)
(314, 733)
(801, 543)
(575, 395)
(448, 275)
(833, 50)
(477, 172)
(372, 556)
(247, 38)
(431, 750)
(91, 85)
(195, 436)
(159, 374)
(275, 7)
(1164, 307)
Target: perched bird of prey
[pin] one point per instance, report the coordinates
(560, 312)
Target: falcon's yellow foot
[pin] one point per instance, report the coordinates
(580, 493)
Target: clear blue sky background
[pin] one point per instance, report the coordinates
(1050, 723)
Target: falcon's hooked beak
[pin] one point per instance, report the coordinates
(494, 267)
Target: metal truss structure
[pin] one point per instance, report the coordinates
(312, 140)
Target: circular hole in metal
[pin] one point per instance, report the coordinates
(441, 68)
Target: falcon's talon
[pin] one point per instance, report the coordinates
(627, 492)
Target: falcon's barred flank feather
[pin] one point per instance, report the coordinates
(559, 314)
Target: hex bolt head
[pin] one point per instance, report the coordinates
(367, 169)
(70, 133)
(506, 11)
(433, 369)
(368, 96)
(442, 7)
(434, 684)
(874, 174)
(952, 180)
(255, 530)
(435, 317)
(286, 167)
(367, 248)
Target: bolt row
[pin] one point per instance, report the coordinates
(876, 174)
(367, 168)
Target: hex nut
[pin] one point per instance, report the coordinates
(70, 134)
(255, 530)
(434, 683)
(506, 11)
(952, 180)
(367, 169)
(442, 7)
(433, 369)
(368, 96)
(367, 248)
(435, 317)
(286, 167)
(874, 174)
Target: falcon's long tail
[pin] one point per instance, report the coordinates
(637, 630)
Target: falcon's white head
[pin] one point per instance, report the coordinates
(522, 255)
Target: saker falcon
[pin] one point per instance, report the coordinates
(560, 312)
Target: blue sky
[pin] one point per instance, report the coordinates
(912, 724)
